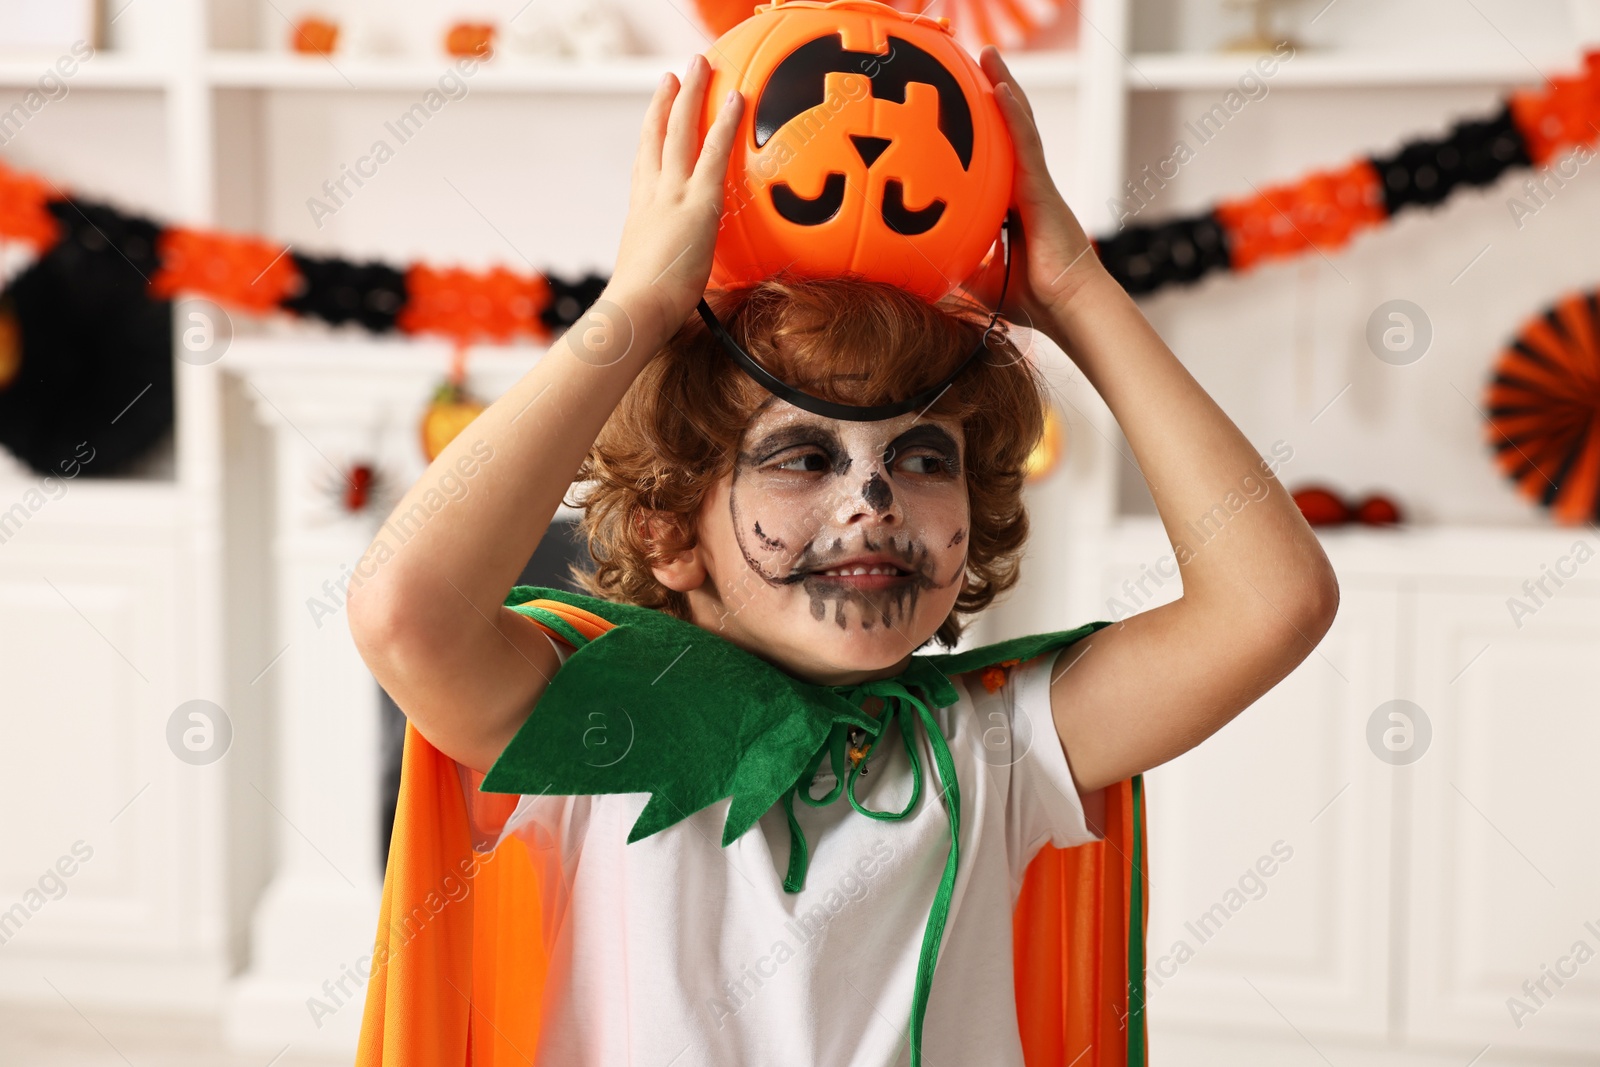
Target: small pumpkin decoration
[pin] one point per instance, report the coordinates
(870, 144)
(1322, 506)
(470, 39)
(314, 36)
(450, 412)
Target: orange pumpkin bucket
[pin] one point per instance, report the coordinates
(870, 144)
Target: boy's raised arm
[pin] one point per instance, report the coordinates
(1256, 598)
(430, 623)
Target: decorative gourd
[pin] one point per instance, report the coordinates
(870, 143)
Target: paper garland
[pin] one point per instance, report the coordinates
(1323, 210)
(256, 275)
(53, 368)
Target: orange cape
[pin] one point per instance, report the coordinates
(460, 966)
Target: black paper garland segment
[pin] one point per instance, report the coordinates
(337, 291)
(1425, 172)
(1144, 259)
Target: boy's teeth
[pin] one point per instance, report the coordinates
(876, 568)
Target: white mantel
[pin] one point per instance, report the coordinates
(326, 403)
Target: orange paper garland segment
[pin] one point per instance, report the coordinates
(244, 272)
(1321, 211)
(494, 305)
(23, 212)
(1563, 113)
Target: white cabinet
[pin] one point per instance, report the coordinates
(1421, 892)
(1505, 827)
(1270, 857)
(102, 877)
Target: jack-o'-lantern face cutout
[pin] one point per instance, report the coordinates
(871, 144)
(821, 95)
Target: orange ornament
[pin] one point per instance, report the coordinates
(1047, 453)
(870, 144)
(449, 412)
(314, 36)
(994, 676)
(470, 39)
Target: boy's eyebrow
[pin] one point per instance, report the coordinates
(801, 417)
(815, 429)
(817, 433)
(929, 434)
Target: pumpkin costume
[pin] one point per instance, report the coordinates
(462, 982)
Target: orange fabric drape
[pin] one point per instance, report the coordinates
(461, 960)
(1070, 945)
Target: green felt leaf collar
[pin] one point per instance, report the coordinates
(661, 706)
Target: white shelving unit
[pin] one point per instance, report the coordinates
(239, 887)
(1167, 71)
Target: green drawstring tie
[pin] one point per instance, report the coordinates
(898, 701)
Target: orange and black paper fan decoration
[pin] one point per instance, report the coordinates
(1544, 409)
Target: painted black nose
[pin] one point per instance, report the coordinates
(870, 148)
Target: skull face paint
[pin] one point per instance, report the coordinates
(860, 521)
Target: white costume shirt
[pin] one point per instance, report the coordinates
(675, 951)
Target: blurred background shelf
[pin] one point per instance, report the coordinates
(1308, 69)
(630, 74)
(279, 70)
(104, 70)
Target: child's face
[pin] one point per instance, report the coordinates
(835, 548)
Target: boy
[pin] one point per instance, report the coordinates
(828, 550)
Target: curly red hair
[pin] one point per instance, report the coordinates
(848, 340)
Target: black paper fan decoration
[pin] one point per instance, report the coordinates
(1544, 409)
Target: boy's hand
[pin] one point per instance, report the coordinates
(1052, 252)
(675, 206)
